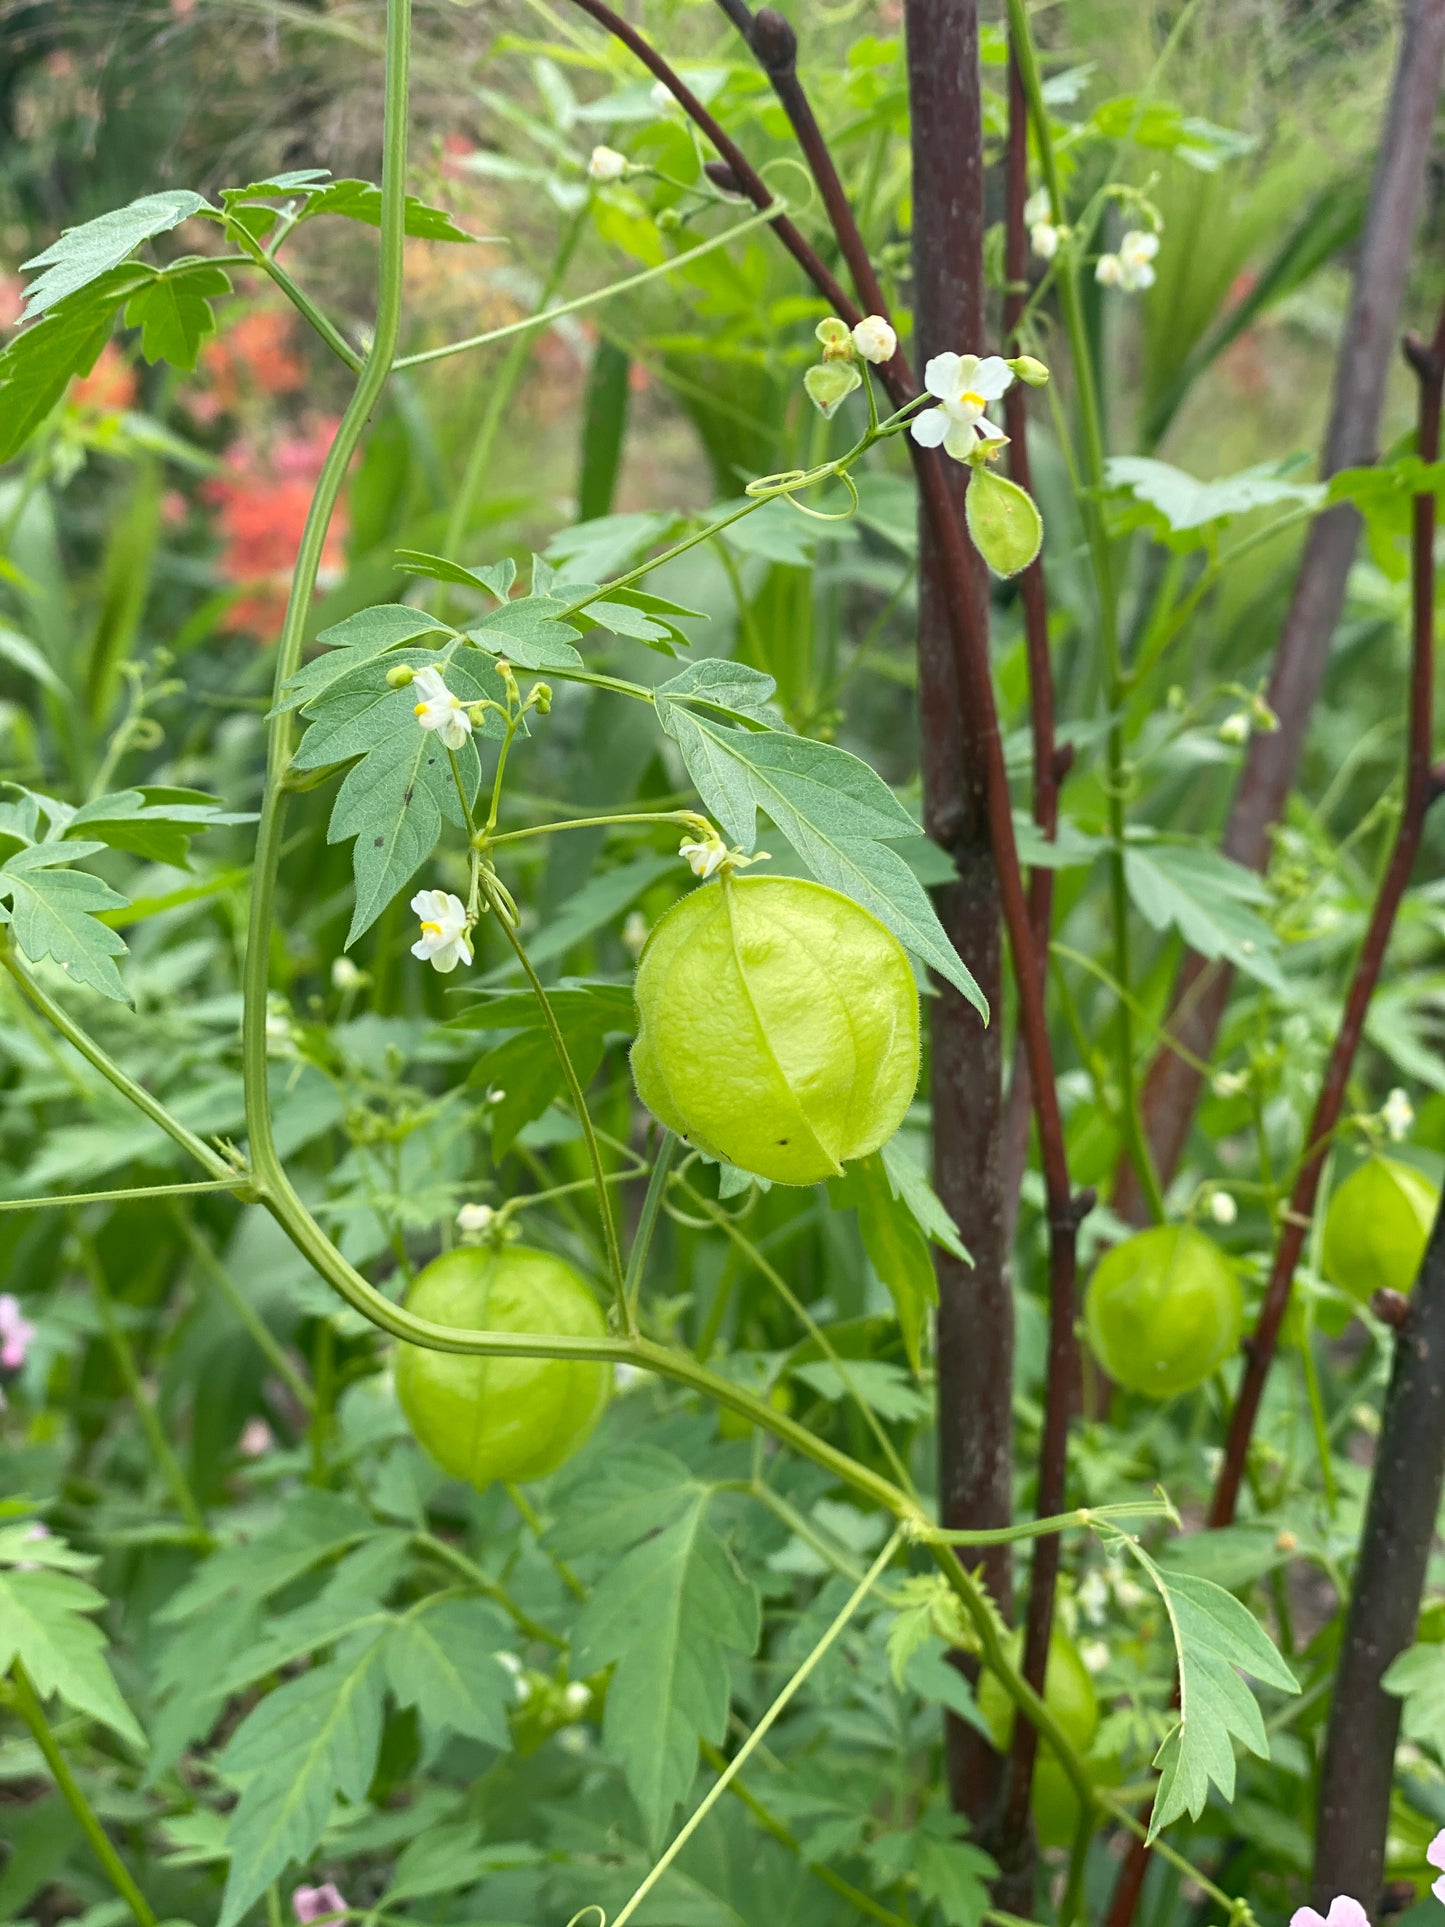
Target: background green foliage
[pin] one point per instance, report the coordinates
(281, 1645)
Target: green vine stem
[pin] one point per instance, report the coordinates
(23, 1697)
(1116, 683)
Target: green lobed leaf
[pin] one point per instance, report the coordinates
(315, 1526)
(741, 693)
(38, 364)
(394, 800)
(174, 312)
(1205, 898)
(362, 638)
(1417, 1677)
(307, 1742)
(526, 1074)
(1216, 1638)
(361, 201)
(53, 913)
(84, 253)
(43, 1624)
(155, 822)
(441, 1658)
(666, 1616)
(834, 810)
(1184, 505)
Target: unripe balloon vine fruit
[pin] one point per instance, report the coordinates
(1376, 1229)
(1164, 1310)
(502, 1418)
(778, 1027)
(1069, 1695)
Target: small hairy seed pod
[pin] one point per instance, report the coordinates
(778, 1027)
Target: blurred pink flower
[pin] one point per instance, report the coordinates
(263, 499)
(1435, 1854)
(16, 1333)
(318, 1903)
(1344, 1912)
(255, 1438)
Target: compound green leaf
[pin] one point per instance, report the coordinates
(156, 823)
(84, 253)
(362, 638)
(309, 1741)
(666, 1616)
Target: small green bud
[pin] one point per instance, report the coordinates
(542, 698)
(668, 220)
(1005, 525)
(830, 383)
(1032, 373)
(477, 713)
(836, 338)
(399, 677)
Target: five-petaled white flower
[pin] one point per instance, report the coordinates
(1397, 1114)
(964, 386)
(1435, 1854)
(707, 858)
(439, 709)
(607, 164)
(874, 339)
(1044, 234)
(1344, 1912)
(443, 941)
(1132, 268)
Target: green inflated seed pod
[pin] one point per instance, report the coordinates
(1376, 1228)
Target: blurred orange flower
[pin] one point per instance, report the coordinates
(262, 499)
(110, 386)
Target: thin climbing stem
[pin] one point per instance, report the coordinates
(26, 1701)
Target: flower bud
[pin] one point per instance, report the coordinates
(874, 339)
(1029, 371)
(606, 165)
(399, 677)
(542, 697)
(774, 42)
(668, 220)
(837, 341)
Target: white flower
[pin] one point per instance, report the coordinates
(1132, 268)
(705, 858)
(577, 1698)
(511, 1662)
(606, 165)
(635, 932)
(475, 1217)
(1229, 1083)
(1235, 728)
(440, 710)
(1095, 1655)
(1397, 1114)
(1044, 235)
(661, 96)
(443, 940)
(1435, 1854)
(874, 339)
(1222, 1208)
(626, 1378)
(964, 386)
(1093, 1596)
(345, 975)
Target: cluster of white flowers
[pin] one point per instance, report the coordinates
(1132, 268)
(963, 385)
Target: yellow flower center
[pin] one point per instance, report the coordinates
(419, 709)
(431, 929)
(970, 399)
